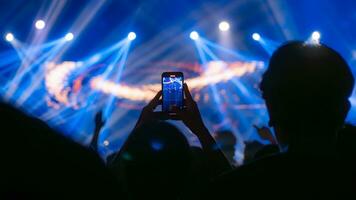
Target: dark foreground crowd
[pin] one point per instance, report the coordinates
(306, 90)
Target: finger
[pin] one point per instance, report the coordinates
(187, 92)
(256, 127)
(155, 101)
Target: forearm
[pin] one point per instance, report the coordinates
(94, 141)
(215, 157)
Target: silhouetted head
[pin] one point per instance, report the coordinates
(306, 87)
(37, 161)
(156, 159)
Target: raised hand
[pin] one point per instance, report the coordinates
(266, 134)
(190, 116)
(148, 114)
(99, 122)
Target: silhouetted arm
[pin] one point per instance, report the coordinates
(99, 123)
(147, 113)
(191, 117)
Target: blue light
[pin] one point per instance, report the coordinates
(256, 37)
(194, 35)
(9, 37)
(131, 36)
(224, 26)
(69, 36)
(316, 36)
(40, 24)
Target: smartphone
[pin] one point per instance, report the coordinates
(172, 91)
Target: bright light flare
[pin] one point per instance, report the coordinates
(194, 35)
(9, 37)
(56, 79)
(40, 24)
(69, 36)
(224, 26)
(216, 72)
(315, 36)
(256, 36)
(131, 36)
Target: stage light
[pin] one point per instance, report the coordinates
(9, 37)
(131, 36)
(315, 36)
(40, 24)
(194, 35)
(224, 26)
(69, 36)
(106, 143)
(256, 37)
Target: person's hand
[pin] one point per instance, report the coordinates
(190, 115)
(148, 114)
(265, 133)
(99, 122)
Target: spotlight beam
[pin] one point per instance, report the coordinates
(268, 45)
(38, 73)
(82, 21)
(23, 70)
(226, 50)
(93, 96)
(204, 61)
(209, 52)
(120, 58)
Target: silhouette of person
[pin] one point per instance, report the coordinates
(38, 162)
(306, 89)
(153, 161)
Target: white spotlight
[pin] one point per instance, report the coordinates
(194, 35)
(106, 143)
(224, 26)
(9, 37)
(40, 24)
(131, 36)
(256, 36)
(315, 36)
(69, 36)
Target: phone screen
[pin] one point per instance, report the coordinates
(172, 91)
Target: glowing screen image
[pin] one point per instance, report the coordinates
(172, 92)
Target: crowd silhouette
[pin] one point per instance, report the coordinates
(311, 153)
